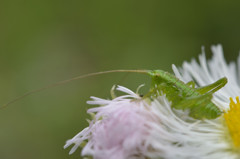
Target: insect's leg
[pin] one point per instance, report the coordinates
(155, 90)
(161, 89)
(191, 84)
(112, 91)
(213, 87)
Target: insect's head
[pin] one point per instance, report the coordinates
(156, 76)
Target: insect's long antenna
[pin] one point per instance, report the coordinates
(66, 81)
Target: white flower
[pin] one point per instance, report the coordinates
(129, 126)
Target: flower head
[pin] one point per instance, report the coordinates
(130, 126)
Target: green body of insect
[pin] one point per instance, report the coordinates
(186, 96)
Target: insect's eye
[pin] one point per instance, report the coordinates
(141, 95)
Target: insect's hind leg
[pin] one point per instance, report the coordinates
(191, 84)
(212, 87)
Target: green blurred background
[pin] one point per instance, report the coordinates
(42, 42)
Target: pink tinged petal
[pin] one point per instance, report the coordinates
(98, 101)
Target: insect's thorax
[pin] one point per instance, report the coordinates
(169, 81)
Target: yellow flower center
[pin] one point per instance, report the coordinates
(232, 118)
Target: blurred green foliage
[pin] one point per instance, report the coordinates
(42, 42)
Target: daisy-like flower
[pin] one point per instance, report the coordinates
(132, 127)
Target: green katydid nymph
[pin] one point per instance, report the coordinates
(186, 96)
(181, 95)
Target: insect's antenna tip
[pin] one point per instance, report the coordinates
(5, 105)
(2, 107)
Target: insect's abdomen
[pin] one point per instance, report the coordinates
(205, 110)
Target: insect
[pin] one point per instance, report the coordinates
(186, 96)
(181, 95)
